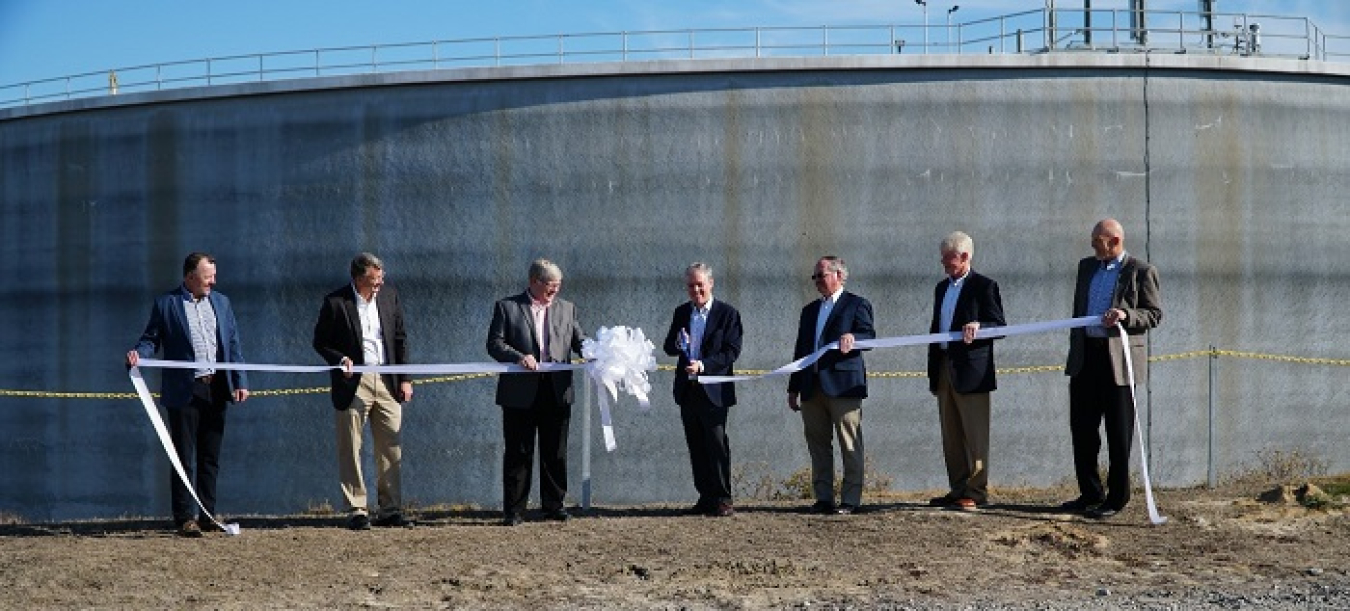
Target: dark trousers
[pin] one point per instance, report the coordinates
(549, 422)
(705, 432)
(1094, 398)
(197, 430)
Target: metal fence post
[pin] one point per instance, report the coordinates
(1214, 358)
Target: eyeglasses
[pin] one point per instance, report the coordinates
(818, 276)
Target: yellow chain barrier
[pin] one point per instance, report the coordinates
(280, 392)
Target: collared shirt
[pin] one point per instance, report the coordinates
(201, 318)
(698, 323)
(948, 310)
(826, 306)
(539, 311)
(1101, 291)
(372, 333)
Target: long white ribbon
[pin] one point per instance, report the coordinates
(913, 340)
(1153, 515)
(153, 413)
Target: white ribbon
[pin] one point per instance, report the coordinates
(914, 340)
(164, 440)
(1153, 515)
(618, 359)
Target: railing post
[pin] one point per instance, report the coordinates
(260, 68)
(435, 55)
(1214, 356)
(1019, 41)
(560, 49)
(159, 77)
(824, 40)
(316, 62)
(691, 44)
(208, 71)
(1002, 36)
(757, 43)
(497, 51)
(374, 63)
(623, 36)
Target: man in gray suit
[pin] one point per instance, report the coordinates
(533, 329)
(1120, 289)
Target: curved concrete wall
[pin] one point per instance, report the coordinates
(1228, 174)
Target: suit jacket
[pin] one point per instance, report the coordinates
(511, 336)
(841, 375)
(972, 365)
(720, 348)
(1138, 294)
(338, 333)
(168, 330)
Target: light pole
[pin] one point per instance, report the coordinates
(953, 9)
(924, 4)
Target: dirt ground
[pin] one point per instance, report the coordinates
(1219, 549)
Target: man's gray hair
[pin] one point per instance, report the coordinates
(699, 267)
(958, 242)
(836, 264)
(363, 262)
(545, 270)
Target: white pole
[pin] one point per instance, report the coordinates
(586, 444)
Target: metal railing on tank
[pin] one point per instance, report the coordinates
(1036, 31)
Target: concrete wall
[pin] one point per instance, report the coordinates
(1227, 173)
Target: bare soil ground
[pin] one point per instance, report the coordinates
(1220, 549)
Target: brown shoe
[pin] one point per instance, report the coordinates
(190, 529)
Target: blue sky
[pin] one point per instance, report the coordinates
(51, 38)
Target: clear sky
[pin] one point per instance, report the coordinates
(51, 38)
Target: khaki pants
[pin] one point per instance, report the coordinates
(824, 418)
(375, 404)
(965, 438)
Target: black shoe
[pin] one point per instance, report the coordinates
(512, 519)
(211, 527)
(847, 510)
(823, 508)
(698, 509)
(358, 521)
(941, 501)
(722, 510)
(1101, 512)
(394, 520)
(1079, 504)
(557, 515)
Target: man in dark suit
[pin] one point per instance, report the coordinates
(829, 393)
(961, 375)
(1120, 289)
(706, 334)
(532, 329)
(362, 324)
(195, 323)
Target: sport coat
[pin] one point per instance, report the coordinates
(841, 375)
(972, 365)
(1137, 293)
(337, 334)
(168, 330)
(511, 336)
(720, 348)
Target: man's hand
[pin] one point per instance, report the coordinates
(968, 332)
(694, 368)
(240, 395)
(528, 362)
(846, 343)
(792, 402)
(133, 358)
(405, 389)
(346, 367)
(1113, 316)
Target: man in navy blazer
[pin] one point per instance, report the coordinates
(1121, 289)
(829, 393)
(961, 374)
(195, 323)
(362, 324)
(705, 334)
